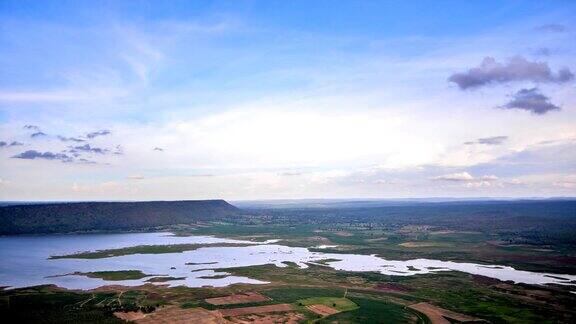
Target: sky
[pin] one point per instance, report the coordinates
(169, 100)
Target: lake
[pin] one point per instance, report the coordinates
(25, 261)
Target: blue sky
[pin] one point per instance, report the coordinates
(286, 99)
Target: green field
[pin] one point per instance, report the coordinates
(341, 304)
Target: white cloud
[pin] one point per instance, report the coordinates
(567, 182)
(489, 178)
(478, 184)
(135, 177)
(331, 125)
(460, 176)
(468, 180)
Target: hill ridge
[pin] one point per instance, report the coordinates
(109, 216)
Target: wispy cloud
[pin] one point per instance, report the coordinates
(531, 100)
(467, 180)
(31, 127)
(86, 148)
(551, 28)
(494, 140)
(33, 155)
(46, 96)
(290, 174)
(135, 177)
(70, 139)
(13, 143)
(305, 112)
(515, 69)
(464, 176)
(38, 134)
(95, 134)
(460, 176)
(118, 150)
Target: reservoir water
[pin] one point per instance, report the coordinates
(25, 261)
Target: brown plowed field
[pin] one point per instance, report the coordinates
(439, 315)
(284, 318)
(250, 297)
(385, 286)
(177, 315)
(129, 316)
(322, 309)
(256, 310)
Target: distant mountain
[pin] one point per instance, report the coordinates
(108, 216)
(376, 202)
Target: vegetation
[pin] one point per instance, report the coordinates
(47, 305)
(530, 235)
(293, 294)
(338, 303)
(219, 276)
(374, 311)
(115, 275)
(361, 297)
(326, 261)
(141, 249)
(164, 279)
(527, 235)
(476, 296)
(108, 216)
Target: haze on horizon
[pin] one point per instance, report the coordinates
(150, 100)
